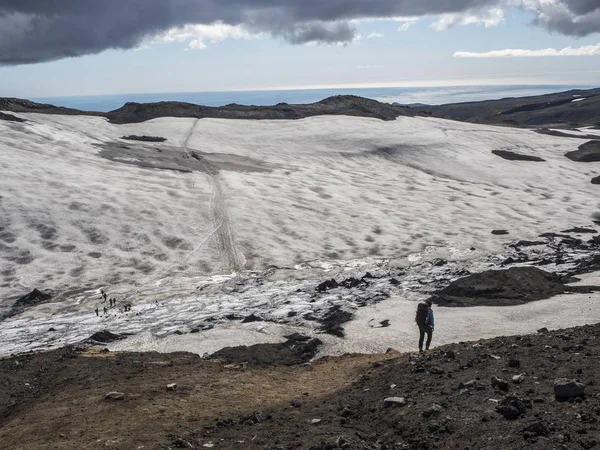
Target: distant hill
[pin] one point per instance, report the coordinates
(18, 105)
(347, 105)
(571, 108)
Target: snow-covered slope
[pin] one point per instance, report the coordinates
(77, 212)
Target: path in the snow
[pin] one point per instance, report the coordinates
(230, 256)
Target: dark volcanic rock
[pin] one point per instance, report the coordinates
(105, 337)
(144, 138)
(296, 350)
(588, 152)
(565, 389)
(512, 407)
(596, 180)
(512, 286)
(499, 232)
(581, 230)
(251, 318)
(511, 156)
(333, 320)
(35, 297)
(327, 285)
(10, 118)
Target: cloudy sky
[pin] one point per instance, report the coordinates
(87, 47)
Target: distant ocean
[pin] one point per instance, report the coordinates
(427, 95)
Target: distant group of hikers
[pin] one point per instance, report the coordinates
(112, 303)
(424, 318)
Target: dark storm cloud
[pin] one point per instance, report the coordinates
(44, 30)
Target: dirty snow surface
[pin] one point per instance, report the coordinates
(229, 218)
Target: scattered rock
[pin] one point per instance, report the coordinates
(171, 386)
(105, 337)
(518, 379)
(512, 407)
(581, 230)
(296, 350)
(538, 428)
(512, 156)
(34, 298)
(500, 383)
(327, 285)
(144, 138)
(254, 418)
(251, 318)
(394, 401)
(433, 410)
(514, 363)
(500, 232)
(181, 443)
(315, 421)
(588, 152)
(596, 180)
(331, 322)
(450, 354)
(436, 371)
(565, 389)
(115, 396)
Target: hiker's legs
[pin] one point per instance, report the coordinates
(429, 336)
(421, 338)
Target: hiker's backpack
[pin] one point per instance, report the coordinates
(422, 313)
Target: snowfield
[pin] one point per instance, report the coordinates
(233, 216)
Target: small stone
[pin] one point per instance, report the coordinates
(450, 354)
(181, 443)
(394, 401)
(433, 410)
(347, 412)
(512, 407)
(565, 388)
(467, 384)
(509, 412)
(537, 428)
(315, 421)
(115, 396)
(500, 383)
(171, 387)
(518, 379)
(496, 357)
(436, 371)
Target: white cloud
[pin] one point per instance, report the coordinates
(406, 22)
(490, 18)
(587, 50)
(374, 36)
(198, 35)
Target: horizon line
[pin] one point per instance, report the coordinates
(328, 87)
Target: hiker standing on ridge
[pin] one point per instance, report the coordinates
(425, 321)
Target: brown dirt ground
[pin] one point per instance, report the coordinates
(62, 406)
